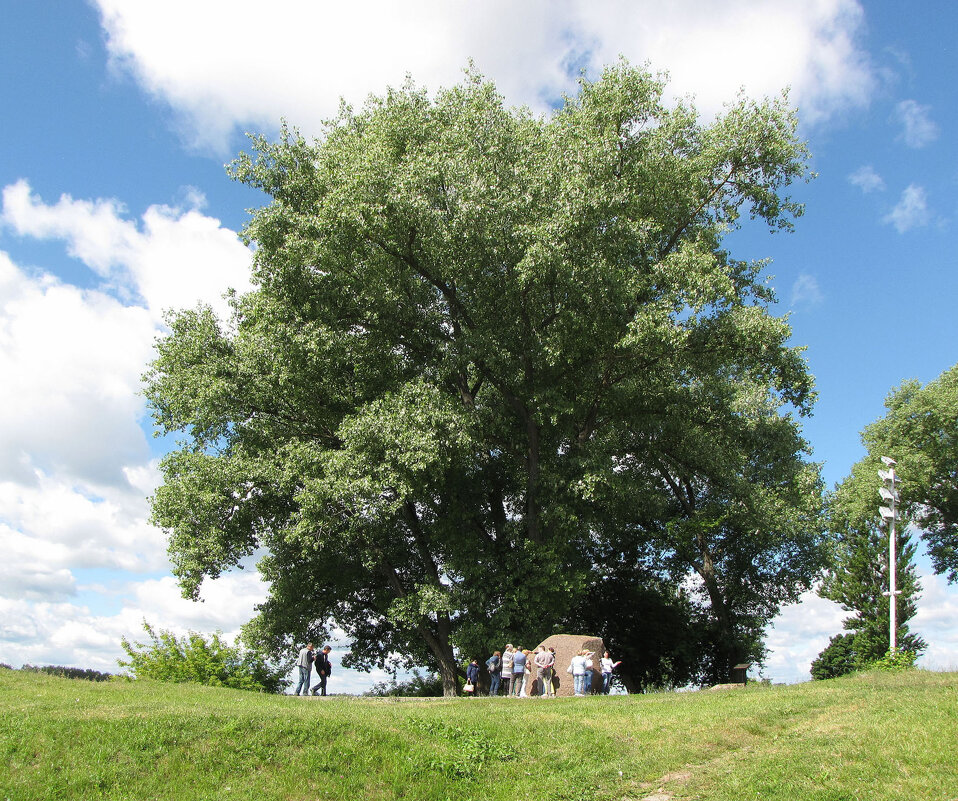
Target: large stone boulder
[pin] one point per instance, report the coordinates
(567, 646)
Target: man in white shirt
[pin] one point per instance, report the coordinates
(305, 663)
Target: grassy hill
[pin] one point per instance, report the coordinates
(875, 736)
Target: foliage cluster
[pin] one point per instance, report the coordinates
(880, 736)
(893, 661)
(920, 431)
(201, 660)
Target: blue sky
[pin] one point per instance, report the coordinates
(118, 119)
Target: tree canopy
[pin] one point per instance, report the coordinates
(920, 431)
(489, 357)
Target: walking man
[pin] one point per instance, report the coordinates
(304, 662)
(323, 669)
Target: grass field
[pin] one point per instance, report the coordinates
(876, 736)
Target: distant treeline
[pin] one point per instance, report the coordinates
(66, 672)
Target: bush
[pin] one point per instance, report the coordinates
(193, 658)
(893, 661)
(839, 657)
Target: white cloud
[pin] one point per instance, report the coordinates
(866, 179)
(911, 211)
(173, 260)
(61, 525)
(71, 361)
(798, 635)
(75, 466)
(806, 291)
(63, 633)
(33, 570)
(918, 129)
(935, 622)
(306, 56)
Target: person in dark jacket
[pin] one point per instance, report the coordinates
(472, 675)
(323, 669)
(494, 663)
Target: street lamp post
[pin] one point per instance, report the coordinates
(888, 513)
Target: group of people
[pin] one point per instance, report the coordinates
(524, 673)
(306, 661)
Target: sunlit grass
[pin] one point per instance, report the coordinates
(877, 736)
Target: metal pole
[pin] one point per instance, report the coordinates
(888, 514)
(892, 565)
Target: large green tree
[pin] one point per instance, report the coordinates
(486, 351)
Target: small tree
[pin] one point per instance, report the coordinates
(194, 658)
(858, 576)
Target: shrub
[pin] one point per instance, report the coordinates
(893, 661)
(194, 658)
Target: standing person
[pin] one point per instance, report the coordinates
(507, 667)
(494, 664)
(526, 673)
(472, 677)
(607, 666)
(577, 669)
(518, 669)
(552, 674)
(589, 671)
(304, 662)
(323, 669)
(544, 661)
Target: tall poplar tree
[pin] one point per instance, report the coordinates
(485, 351)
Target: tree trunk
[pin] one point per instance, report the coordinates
(449, 672)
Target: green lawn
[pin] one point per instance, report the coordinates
(877, 736)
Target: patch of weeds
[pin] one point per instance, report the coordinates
(466, 752)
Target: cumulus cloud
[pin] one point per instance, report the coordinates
(59, 524)
(307, 55)
(866, 179)
(806, 291)
(911, 211)
(32, 570)
(918, 129)
(71, 361)
(59, 632)
(935, 621)
(75, 465)
(171, 259)
(798, 635)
